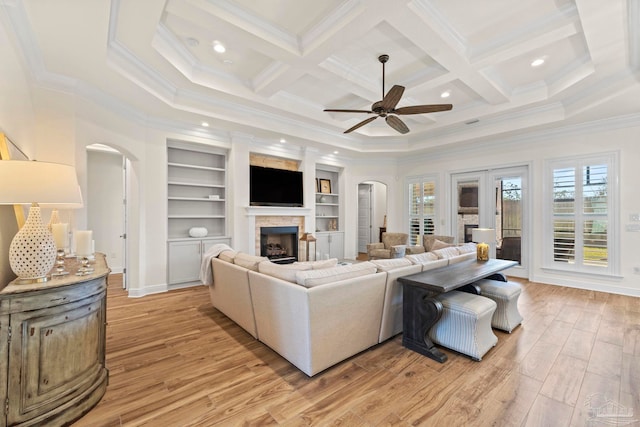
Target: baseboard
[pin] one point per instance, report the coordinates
(147, 290)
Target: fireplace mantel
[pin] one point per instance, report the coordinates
(276, 211)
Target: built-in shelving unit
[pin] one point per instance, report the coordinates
(330, 241)
(196, 197)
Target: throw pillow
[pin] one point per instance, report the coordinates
(247, 261)
(390, 264)
(282, 271)
(439, 244)
(313, 278)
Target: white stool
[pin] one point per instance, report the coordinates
(506, 295)
(465, 325)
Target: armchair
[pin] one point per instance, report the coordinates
(393, 245)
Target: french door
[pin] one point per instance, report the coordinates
(496, 199)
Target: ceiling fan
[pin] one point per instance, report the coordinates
(387, 107)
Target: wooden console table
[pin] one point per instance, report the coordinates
(420, 309)
(52, 347)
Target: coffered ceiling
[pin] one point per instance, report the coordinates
(287, 60)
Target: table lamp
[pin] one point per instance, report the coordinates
(308, 238)
(32, 253)
(483, 237)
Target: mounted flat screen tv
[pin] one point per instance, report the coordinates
(275, 187)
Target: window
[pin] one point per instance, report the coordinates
(422, 207)
(581, 221)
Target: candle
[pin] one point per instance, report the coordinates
(60, 232)
(83, 242)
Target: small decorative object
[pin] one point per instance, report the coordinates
(198, 232)
(214, 197)
(32, 252)
(308, 238)
(325, 186)
(483, 237)
(55, 219)
(384, 222)
(83, 242)
(323, 199)
(60, 233)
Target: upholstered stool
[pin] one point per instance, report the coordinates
(505, 294)
(465, 325)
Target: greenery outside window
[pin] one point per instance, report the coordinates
(422, 207)
(581, 219)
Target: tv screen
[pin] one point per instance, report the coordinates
(275, 187)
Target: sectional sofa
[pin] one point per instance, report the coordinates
(316, 314)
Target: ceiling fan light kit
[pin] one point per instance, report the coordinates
(387, 107)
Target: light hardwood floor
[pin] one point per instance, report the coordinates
(176, 361)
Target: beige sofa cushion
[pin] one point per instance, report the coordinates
(466, 248)
(282, 271)
(390, 264)
(446, 252)
(422, 258)
(322, 263)
(322, 276)
(248, 261)
(227, 255)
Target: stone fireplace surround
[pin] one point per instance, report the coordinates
(270, 216)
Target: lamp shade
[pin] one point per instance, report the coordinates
(48, 184)
(483, 235)
(32, 252)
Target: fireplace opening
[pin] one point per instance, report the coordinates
(279, 244)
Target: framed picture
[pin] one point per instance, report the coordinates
(10, 151)
(325, 186)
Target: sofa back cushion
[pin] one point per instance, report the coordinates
(313, 278)
(227, 255)
(248, 261)
(446, 252)
(322, 263)
(466, 248)
(390, 264)
(422, 258)
(282, 271)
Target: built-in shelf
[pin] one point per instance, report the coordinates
(194, 173)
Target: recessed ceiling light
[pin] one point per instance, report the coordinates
(537, 62)
(282, 140)
(205, 124)
(445, 94)
(336, 152)
(219, 47)
(227, 62)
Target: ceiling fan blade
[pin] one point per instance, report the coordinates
(348, 111)
(397, 124)
(420, 109)
(362, 123)
(392, 98)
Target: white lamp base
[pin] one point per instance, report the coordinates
(32, 253)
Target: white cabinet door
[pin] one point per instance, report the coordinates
(184, 261)
(330, 245)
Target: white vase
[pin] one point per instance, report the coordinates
(32, 252)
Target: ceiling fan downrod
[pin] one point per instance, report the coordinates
(383, 59)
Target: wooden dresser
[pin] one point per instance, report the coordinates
(52, 347)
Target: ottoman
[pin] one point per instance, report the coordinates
(465, 325)
(505, 294)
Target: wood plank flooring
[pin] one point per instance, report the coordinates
(176, 361)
